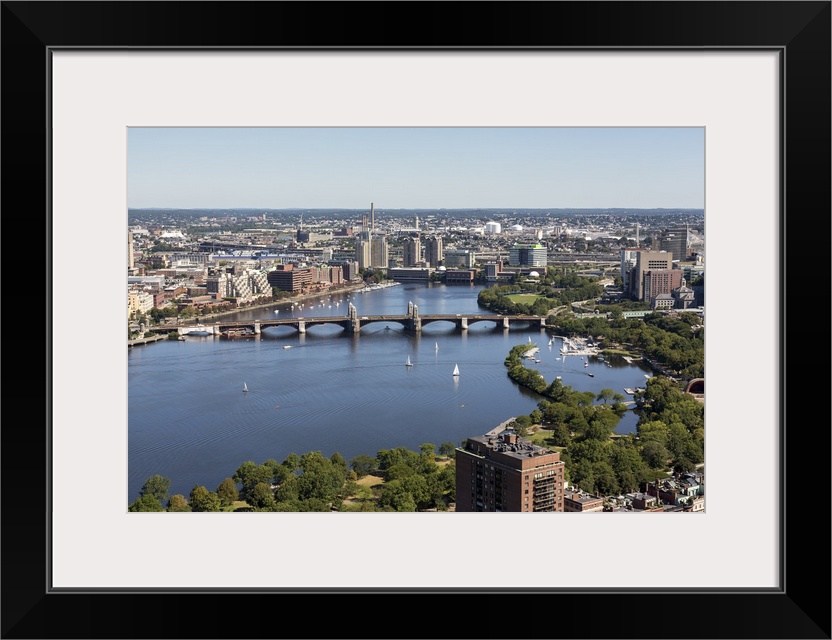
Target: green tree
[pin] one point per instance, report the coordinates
(156, 487)
(227, 492)
(363, 465)
(447, 449)
(145, 503)
(203, 500)
(427, 449)
(178, 502)
(261, 497)
(654, 454)
(606, 395)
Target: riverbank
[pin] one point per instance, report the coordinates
(312, 295)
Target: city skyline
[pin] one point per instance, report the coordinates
(416, 167)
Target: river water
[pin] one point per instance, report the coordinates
(189, 419)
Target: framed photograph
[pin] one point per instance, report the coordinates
(754, 76)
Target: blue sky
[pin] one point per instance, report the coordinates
(416, 168)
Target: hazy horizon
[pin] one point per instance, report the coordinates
(410, 168)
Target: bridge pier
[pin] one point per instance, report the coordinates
(256, 328)
(301, 326)
(463, 324)
(506, 324)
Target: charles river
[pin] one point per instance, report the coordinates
(189, 419)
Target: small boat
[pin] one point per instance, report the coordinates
(456, 370)
(436, 346)
(408, 363)
(628, 391)
(530, 339)
(245, 388)
(591, 375)
(287, 346)
(551, 341)
(586, 364)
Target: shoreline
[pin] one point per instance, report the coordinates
(353, 286)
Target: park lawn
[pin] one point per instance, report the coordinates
(524, 298)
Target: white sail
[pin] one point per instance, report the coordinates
(456, 370)
(436, 346)
(408, 363)
(245, 387)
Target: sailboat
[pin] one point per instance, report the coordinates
(408, 363)
(436, 346)
(245, 388)
(456, 370)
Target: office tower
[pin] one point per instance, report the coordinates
(131, 263)
(648, 261)
(459, 258)
(531, 255)
(504, 472)
(676, 241)
(433, 251)
(372, 216)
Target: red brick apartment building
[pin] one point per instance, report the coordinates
(504, 472)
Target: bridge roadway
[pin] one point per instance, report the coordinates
(353, 323)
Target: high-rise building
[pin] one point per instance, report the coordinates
(676, 241)
(378, 250)
(411, 251)
(647, 261)
(529, 255)
(504, 472)
(433, 251)
(131, 263)
(628, 263)
(660, 282)
(363, 250)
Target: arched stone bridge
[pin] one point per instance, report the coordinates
(352, 322)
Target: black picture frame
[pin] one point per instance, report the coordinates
(800, 31)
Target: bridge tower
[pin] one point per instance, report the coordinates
(354, 322)
(415, 322)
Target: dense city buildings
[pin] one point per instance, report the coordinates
(504, 472)
(652, 257)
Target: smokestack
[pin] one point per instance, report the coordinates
(372, 216)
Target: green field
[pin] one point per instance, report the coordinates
(523, 298)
